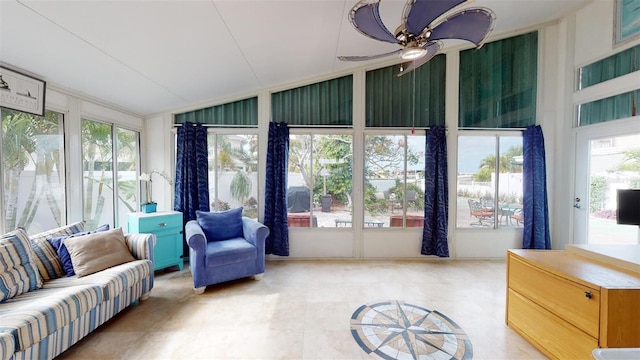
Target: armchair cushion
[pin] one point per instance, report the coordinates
(230, 251)
(223, 225)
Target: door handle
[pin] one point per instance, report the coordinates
(576, 204)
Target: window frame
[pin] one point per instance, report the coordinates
(496, 134)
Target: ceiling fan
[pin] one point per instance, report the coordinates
(424, 24)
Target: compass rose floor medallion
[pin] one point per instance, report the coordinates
(397, 330)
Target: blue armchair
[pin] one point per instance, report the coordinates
(216, 261)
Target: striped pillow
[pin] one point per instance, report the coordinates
(18, 273)
(47, 260)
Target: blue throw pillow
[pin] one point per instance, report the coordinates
(63, 253)
(223, 225)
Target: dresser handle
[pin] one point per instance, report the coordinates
(588, 294)
(162, 224)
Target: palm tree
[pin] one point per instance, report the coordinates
(17, 143)
(96, 152)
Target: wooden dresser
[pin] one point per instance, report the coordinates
(568, 303)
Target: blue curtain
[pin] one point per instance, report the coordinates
(535, 205)
(436, 194)
(192, 173)
(275, 197)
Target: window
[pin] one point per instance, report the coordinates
(233, 172)
(489, 165)
(320, 180)
(394, 180)
(106, 168)
(612, 108)
(620, 64)
(33, 171)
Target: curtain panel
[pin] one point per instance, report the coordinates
(327, 103)
(275, 197)
(498, 84)
(535, 204)
(436, 194)
(393, 101)
(192, 173)
(241, 113)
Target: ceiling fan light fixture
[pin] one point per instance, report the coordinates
(413, 53)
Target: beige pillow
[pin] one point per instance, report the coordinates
(96, 252)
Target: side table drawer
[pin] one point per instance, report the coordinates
(159, 223)
(575, 303)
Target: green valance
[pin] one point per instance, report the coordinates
(391, 102)
(612, 108)
(241, 113)
(622, 63)
(326, 103)
(498, 84)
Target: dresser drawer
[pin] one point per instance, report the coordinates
(155, 223)
(575, 303)
(550, 333)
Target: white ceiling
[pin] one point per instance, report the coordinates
(149, 57)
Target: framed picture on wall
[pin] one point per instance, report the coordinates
(21, 92)
(626, 21)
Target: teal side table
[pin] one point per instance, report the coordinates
(167, 226)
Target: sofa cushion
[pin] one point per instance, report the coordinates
(47, 259)
(95, 252)
(112, 281)
(229, 251)
(63, 253)
(18, 272)
(221, 225)
(33, 316)
(7, 346)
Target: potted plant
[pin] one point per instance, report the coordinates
(151, 206)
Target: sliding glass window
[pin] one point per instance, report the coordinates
(33, 171)
(109, 173)
(233, 171)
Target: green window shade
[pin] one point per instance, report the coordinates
(391, 102)
(498, 84)
(241, 113)
(620, 64)
(612, 108)
(327, 103)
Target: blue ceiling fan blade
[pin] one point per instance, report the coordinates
(432, 50)
(473, 25)
(369, 57)
(365, 17)
(418, 14)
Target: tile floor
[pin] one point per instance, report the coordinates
(302, 310)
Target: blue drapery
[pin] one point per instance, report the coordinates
(436, 195)
(535, 204)
(192, 172)
(275, 197)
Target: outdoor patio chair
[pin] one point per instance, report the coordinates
(480, 213)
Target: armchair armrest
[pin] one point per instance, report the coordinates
(195, 237)
(254, 232)
(141, 245)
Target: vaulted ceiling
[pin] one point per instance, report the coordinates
(149, 57)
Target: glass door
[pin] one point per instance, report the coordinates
(607, 159)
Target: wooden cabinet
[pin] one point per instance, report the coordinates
(167, 226)
(567, 304)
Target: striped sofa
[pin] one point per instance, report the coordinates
(42, 323)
